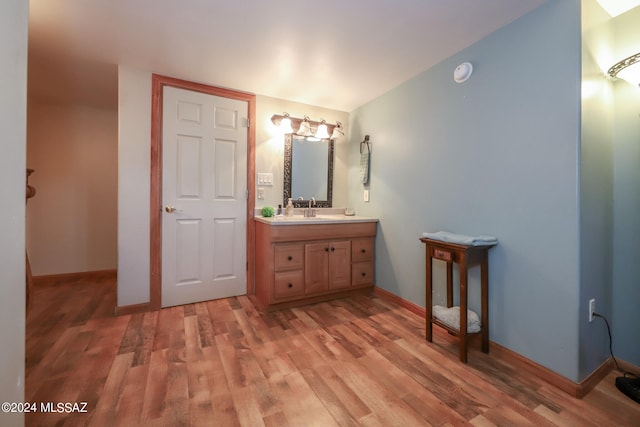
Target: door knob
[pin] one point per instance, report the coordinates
(169, 209)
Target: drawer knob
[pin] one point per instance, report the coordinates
(363, 251)
(290, 285)
(363, 274)
(289, 257)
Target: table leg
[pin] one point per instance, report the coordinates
(449, 284)
(463, 311)
(484, 290)
(429, 296)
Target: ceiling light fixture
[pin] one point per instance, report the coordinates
(628, 69)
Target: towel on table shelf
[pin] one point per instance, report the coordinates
(451, 317)
(461, 239)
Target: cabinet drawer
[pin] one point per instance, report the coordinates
(288, 257)
(443, 255)
(362, 249)
(288, 284)
(362, 273)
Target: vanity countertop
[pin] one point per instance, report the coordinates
(299, 219)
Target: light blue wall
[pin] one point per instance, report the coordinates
(626, 262)
(626, 277)
(596, 188)
(495, 155)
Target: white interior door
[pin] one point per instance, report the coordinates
(204, 187)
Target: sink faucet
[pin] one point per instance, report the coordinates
(310, 212)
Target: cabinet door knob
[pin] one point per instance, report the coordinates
(290, 285)
(326, 249)
(333, 249)
(363, 274)
(289, 257)
(363, 250)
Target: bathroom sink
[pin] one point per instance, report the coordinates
(318, 219)
(308, 218)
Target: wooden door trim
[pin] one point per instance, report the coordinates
(158, 82)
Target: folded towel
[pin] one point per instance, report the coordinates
(451, 317)
(364, 167)
(445, 236)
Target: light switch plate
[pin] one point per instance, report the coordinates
(265, 179)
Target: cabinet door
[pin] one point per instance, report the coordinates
(339, 264)
(316, 267)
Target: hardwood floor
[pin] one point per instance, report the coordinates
(357, 361)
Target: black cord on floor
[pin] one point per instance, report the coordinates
(618, 368)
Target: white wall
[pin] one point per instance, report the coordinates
(134, 116)
(13, 118)
(270, 147)
(134, 152)
(71, 222)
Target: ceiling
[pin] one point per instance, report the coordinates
(335, 54)
(618, 7)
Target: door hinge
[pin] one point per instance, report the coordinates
(246, 194)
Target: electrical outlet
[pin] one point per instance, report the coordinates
(592, 309)
(366, 195)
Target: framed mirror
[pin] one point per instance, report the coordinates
(308, 171)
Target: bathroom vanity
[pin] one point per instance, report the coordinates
(300, 260)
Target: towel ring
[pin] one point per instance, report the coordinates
(365, 141)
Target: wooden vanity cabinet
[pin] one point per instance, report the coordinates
(300, 264)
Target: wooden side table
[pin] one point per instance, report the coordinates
(465, 256)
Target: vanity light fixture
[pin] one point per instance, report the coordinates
(307, 128)
(628, 69)
(285, 124)
(337, 131)
(322, 132)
